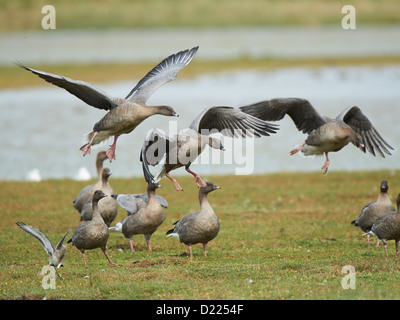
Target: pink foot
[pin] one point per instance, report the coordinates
(297, 149)
(175, 182)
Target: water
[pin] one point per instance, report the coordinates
(43, 127)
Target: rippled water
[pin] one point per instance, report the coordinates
(42, 127)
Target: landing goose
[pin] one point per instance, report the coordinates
(200, 226)
(324, 134)
(387, 227)
(146, 220)
(94, 233)
(56, 254)
(124, 114)
(107, 206)
(86, 193)
(372, 210)
(182, 149)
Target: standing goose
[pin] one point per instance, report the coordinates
(387, 227)
(324, 134)
(373, 210)
(107, 206)
(146, 220)
(56, 254)
(124, 115)
(200, 226)
(186, 146)
(132, 203)
(94, 233)
(86, 193)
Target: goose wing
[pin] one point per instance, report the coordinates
(303, 114)
(373, 141)
(83, 90)
(156, 146)
(230, 122)
(61, 242)
(162, 73)
(39, 235)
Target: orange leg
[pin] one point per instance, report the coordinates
(199, 181)
(297, 149)
(175, 182)
(86, 147)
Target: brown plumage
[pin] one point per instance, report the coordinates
(146, 220)
(372, 210)
(92, 234)
(124, 114)
(107, 206)
(324, 134)
(387, 227)
(86, 193)
(200, 226)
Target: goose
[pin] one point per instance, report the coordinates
(56, 254)
(124, 114)
(92, 234)
(86, 193)
(200, 226)
(146, 220)
(387, 227)
(182, 149)
(372, 210)
(108, 207)
(324, 134)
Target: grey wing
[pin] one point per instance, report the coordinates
(155, 147)
(144, 197)
(162, 73)
(360, 123)
(82, 90)
(39, 235)
(128, 202)
(61, 242)
(231, 122)
(303, 114)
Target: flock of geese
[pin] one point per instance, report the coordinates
(98, 204)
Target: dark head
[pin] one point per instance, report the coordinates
(384, 186)
(167, 111)
(209, 187)
(215, 144)
(152, 186)
(105, 174)
(98, 195)
(357, 140)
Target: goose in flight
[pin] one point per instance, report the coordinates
(124, 114)
(182, 149)
(324, 134)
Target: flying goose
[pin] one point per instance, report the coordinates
(56, 254)
(324, 134)
(200, 226)
(387, 227)
(123, 115)
(372, 210)
(94, 233)
(182, 149)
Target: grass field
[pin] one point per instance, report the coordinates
(283, 236)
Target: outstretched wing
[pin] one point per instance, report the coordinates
(303, 114)
(61, 242)
(155, 147)
(231, 122)
(162, 73)
(39, 235)
(360, 123)
(82, 90)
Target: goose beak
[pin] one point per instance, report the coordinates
(222, 148)
(175, 114)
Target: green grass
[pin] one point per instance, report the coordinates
(27, 15)
(283, 236)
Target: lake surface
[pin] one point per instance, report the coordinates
(42, 127)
